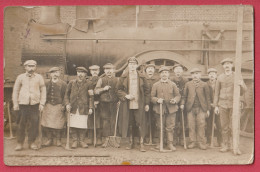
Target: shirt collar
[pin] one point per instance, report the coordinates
(30, 75)
(165, 81)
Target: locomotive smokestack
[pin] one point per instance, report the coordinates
(50, 15)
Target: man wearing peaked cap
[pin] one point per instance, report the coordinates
(29, 101)
(133, 60)
(196, 101)
(180, 82)
(53, 117)
(165, 92)
(106, 90)
(223, 101)
(93, 79)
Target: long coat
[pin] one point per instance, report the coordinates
(144, 99)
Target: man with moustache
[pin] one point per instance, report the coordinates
(151, 79)
(212, 74)
(29, 97)
(53, 117)
(134, 93)
(165, 92)
(197, 104)
(93, 79)
(180, 82)
(106, 89)
(79, 104)
(223, 101)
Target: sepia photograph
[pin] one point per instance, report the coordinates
(128, 85)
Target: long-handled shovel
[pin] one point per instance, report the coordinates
(10, 122)
(212, 132)
(40, 131)
(114, 141)
(95, 132)
(183, 130)
(67, 147)
(161, 134)
(150, 137)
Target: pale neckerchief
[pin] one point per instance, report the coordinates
(164, 81)
(196, 83)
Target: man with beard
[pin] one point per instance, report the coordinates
(165, 92)
(197, 104)
(106, 89)
(151, 79)
(79, 104)
(223, 101)
(212, 73)
(53, 117)
(180, 82)
(134, 94)
(93, 79)
(29, 96)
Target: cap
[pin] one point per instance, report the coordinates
(94, 67)
(177, 65)
(212, 70)
(132, 60)
(81, 69)
(226, 60)
(164, 68)
(149, 65)
(30, 62)
(109, 66)
(195, 70)
(54, 69)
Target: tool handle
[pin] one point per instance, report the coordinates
(117, 112)
(68, 128)
(161, 128)
(183, 130)
(212, 131)
(95, 134)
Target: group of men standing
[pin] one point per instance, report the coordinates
(140, 95)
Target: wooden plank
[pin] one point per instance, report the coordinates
(236, 96)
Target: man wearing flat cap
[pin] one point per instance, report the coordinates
(212, 74)
(196, 101)
(106, 89)
(53, 116)
(165, 92)
(29, 96)
(93, 79)
(134, 93)
(79, 104)
(223, 101)
(180, 82)
(151, 79)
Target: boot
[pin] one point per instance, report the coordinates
(131, 139)
(33, 146)
(202, 146)
(191, 145)
(82, 143)
(18, 147)
(170, 141)
(224, 148)
(58, 138)
(105, 144)
(142, 149)
(99, 138)
(49, 137)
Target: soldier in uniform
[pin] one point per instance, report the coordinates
(166, 92)
(151, 79)
(29, 97)
(79, 104)
(134, 93)
(223, 101)
(93, 79)
(212, 73)
(53, 117)
(106, 89)
(180, 82)
(197, 104)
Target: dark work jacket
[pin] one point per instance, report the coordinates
(78, 98)
(55, 92)
(144, 99)
(190, 92)
(180, 83)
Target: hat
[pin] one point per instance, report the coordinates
(226, 60)
(195, 70)
(212, 70)
(149, 65)
(132, 60)
(109, 66)
(94, 67)
(54, 69)
(81, 69)
(164, 68)
(177, 65)
(30, 62)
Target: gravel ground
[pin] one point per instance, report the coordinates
(115, 156)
